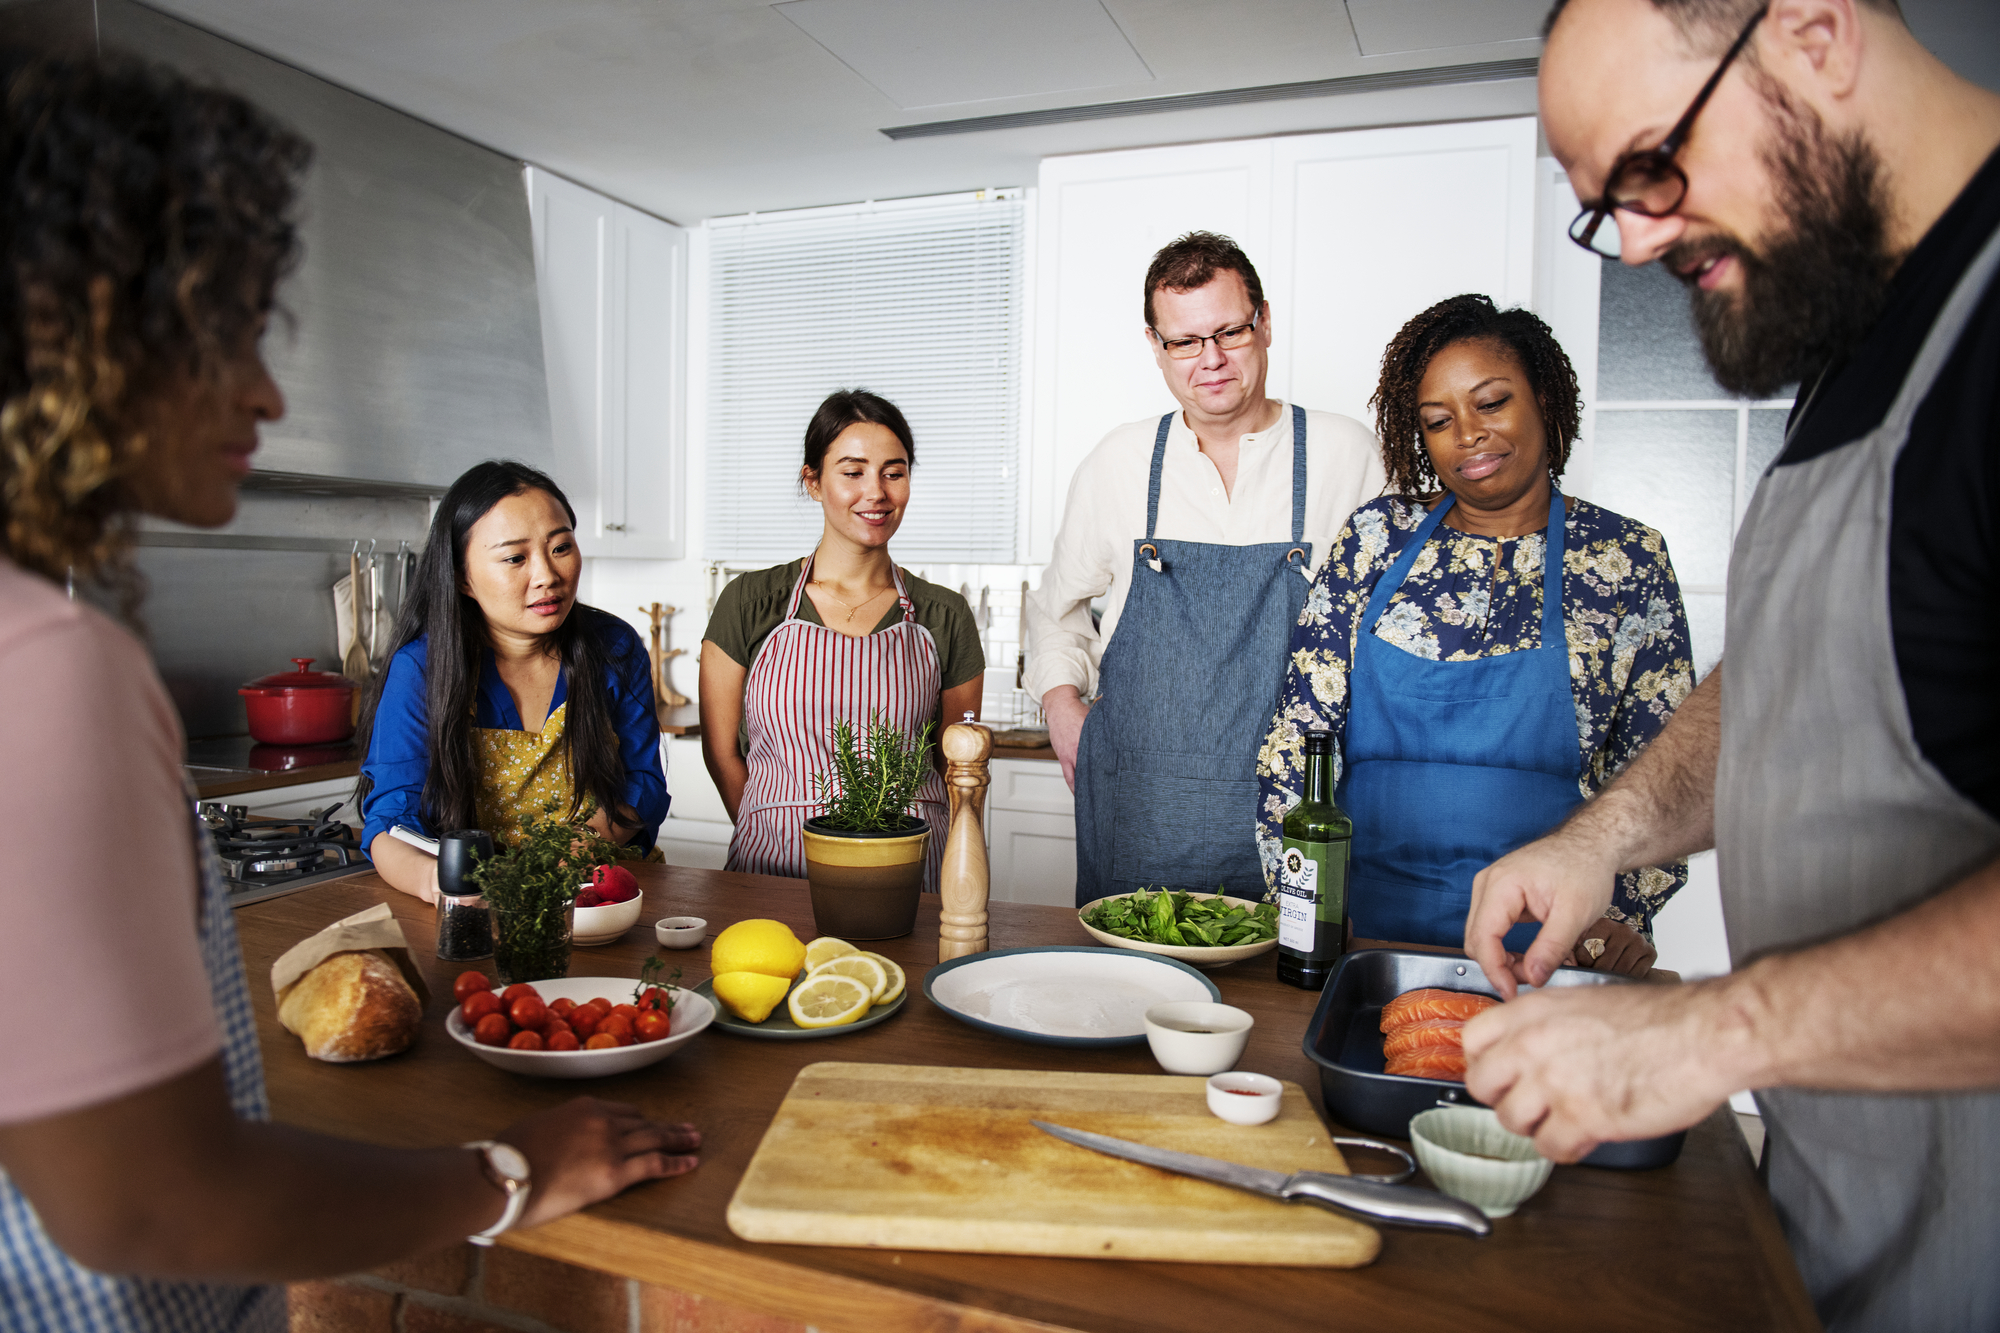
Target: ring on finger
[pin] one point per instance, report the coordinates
(1594, 947)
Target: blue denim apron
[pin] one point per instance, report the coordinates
(1451, 765)
(1166, 770)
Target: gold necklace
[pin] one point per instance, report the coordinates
(853, 609)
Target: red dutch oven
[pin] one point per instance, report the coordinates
(302, 707)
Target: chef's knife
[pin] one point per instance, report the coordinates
(1404, 1205)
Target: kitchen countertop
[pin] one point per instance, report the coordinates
(1692, 1245)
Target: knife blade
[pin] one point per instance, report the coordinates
(1401, 1205)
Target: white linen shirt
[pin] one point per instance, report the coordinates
(1106, 514)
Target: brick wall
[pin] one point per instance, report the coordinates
(470, 1290)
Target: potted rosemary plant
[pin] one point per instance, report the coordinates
(531, 889)
(865, 850)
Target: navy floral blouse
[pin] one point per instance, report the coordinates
(1470, 597)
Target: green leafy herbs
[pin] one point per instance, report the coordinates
(529, 887)
(875, 777)
(1163, 917)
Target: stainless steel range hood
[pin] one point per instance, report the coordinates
(416, 348)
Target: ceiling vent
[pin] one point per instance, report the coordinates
(1492, 71)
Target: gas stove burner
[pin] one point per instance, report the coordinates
(263, 857)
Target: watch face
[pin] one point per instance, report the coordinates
(507, 1161)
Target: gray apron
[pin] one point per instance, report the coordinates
(1166, 769)
(1828, 818)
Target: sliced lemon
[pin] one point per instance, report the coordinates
(828, 1001)
(824, 950)
(897, 981)
(751, 996)
(859, 966)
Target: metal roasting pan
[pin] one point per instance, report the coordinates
(1345, 1041)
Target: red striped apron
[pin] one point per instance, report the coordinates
(805, 678)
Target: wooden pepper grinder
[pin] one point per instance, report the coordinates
(962, 881)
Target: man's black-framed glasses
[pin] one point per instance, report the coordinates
(1648, 182)
(1236, 335)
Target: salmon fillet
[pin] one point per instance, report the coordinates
(1424, 1034)
(1432, 1002)
(1445, 1063)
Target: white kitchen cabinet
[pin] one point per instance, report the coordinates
(697, 829)
(1030, 833)
(1351, 232)
(613, 295)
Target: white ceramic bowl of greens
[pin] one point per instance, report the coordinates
(1195, 955)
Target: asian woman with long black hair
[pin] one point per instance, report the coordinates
(504, 695)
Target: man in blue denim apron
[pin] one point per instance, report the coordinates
(1836, 212)
(1201, 525)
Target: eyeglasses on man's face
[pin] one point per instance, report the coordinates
(1236, 335)
(1649, 182)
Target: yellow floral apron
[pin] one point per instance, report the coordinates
(521, 773)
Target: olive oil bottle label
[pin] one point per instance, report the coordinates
(1312, 893)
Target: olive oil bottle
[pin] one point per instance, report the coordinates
(1312, 876)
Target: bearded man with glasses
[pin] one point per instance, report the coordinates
(1202, 530)
(1830, 193)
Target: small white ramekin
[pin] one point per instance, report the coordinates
(680, 932)
(1196, 1037)
(1243, 1098)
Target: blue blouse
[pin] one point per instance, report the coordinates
(399, 748)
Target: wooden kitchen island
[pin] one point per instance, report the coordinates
(1689, 1246)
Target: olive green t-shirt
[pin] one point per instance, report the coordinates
(753, 605)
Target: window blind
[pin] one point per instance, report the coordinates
(919, 301)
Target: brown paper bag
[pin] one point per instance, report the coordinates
(374, 929)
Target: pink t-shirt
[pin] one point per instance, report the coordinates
(100, 961)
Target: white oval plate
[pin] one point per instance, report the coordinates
(1063, 994)
(690, 1015)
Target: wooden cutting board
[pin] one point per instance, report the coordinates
(921, 1157)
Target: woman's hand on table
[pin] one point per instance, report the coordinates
(404, 867)
(1613, 946)
(587, 1150)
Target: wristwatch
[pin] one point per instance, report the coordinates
(507, 1167)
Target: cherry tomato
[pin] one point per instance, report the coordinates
(552, 1026)
(652, 1025)
(528, 1011)
(525, 1041)
(477, 1005)
(564, 1041)
(600, 1004)
(561, 1008)
(516, 991)
(603, 1041)
(628, 1010)
(653, 997)
(618, 1026)
(493, 1030)
(468, 984)
(583, 1020)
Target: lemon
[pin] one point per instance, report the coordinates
(824, 950)
(859, 966)
(827, 1001)
(757, 945)
(894, 991)
(751, 996)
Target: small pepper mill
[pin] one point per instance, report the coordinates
(963, 879)
(464, 926)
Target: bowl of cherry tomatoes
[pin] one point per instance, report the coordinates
(574, 1027)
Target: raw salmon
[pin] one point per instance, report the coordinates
(1432, 1002)
(1424, 1034)
(1446, 1063)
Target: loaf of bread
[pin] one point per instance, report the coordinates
(352, 1006)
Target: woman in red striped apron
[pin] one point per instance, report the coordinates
(841, 634)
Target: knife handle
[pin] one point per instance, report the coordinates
(1401, 1205)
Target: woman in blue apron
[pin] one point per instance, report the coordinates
(1487, 651)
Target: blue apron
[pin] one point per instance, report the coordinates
(1166, 770)
(1451, 765)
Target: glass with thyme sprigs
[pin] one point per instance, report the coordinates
(531, 890)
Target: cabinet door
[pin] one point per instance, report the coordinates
(612, 286)
(1032, 857)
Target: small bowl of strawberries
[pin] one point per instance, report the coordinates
(607, 905)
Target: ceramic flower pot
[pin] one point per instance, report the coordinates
(865, 886)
